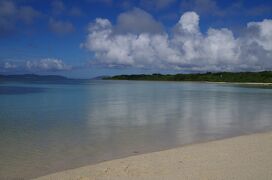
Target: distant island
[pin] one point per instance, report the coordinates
(236, 77)
(239, 77)
(32, 77)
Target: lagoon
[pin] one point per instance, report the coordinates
(49, 127)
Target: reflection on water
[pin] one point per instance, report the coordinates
(68, 126)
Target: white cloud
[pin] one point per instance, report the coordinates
(189, 22)
(48, 64)
(41, 65)
(221, 46)
(263, 33)
(9, 65)
(186, 49)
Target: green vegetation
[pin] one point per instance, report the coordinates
(254, 77)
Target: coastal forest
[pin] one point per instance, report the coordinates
(250, 77)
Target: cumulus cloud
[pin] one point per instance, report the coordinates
(42, 65)
(262, 33)
(187, 48)
(189, 23)
(60, 27)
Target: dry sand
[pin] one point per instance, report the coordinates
(242, 83)
(244, 157)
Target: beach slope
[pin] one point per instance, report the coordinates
(244, 157)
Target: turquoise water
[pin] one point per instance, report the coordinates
(46, 128)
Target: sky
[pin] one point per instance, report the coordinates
(89, 38)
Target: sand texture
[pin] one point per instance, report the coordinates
(244, 157)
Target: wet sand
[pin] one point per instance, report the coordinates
(243, 157)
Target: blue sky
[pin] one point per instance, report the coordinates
(89, 38)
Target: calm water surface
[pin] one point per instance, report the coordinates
(46, 128)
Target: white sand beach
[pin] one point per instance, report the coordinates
(243, 157)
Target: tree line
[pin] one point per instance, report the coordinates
(256, 77)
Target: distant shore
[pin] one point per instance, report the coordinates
(243, 157)
(213, 82)
(232, 77)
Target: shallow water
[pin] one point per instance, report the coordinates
(46, 128)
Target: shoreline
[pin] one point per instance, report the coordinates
(242, 83)
(242, 157)
(212, 82)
